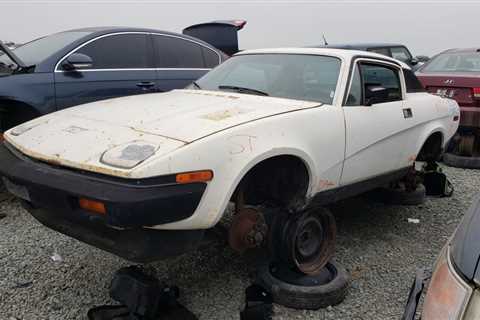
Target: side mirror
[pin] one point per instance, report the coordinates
(375, 94)
(414, 61)
(77, 61)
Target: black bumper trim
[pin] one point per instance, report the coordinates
(132, 206)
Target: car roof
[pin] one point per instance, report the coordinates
(110, 29)
(461, 50)
(360, 45)
(340, 53)
(99, 31)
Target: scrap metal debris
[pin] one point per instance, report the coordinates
(412, 220)
(56, 257)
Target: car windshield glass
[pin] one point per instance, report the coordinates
(293, 76)
(7, 66)
(454, 62)
(38, 50)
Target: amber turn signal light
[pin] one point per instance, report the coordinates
(195, 176)
(92, 206)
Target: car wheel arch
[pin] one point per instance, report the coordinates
(275, 162)
(431, 146)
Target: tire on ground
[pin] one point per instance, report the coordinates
(453, 160)
(311, 297)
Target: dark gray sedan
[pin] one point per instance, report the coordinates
(84, 65)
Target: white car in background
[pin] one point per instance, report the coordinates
(144, 176)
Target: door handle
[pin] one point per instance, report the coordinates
(146, 85)
(407, 113)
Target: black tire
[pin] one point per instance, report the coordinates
(453, 160)
(306, 295)
(399, 196)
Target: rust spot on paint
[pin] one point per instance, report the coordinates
(323, 184)
(224, 114)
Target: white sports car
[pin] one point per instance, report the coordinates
(144, 176)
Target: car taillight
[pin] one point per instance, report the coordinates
(476, 93)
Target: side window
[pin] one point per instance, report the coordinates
(121, 51)
(354, 97)
(172, 52)
(412, 82)
(401, 54)
(211, 58)
(381, 83)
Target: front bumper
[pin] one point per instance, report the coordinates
(51, 195)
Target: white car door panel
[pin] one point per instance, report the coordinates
(376, 134)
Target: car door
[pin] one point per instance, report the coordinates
(376, 133)
(180, 61)
(121, 65)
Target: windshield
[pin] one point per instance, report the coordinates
(38, 50)
(6, 64)
(454, 62)
(293, 76)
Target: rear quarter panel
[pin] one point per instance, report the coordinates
(430, 114)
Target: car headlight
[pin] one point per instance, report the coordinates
(448, 294)
(129, 155)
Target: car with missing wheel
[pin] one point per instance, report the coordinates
(275, 130)
(455, 74)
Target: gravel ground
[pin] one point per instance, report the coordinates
(375, 243)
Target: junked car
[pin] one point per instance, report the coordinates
(394, 50)
(453, 291)
(455, 74)
(144, 176)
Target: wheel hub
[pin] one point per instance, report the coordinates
(307, 240)
(248, 230)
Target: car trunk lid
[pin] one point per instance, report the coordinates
(457, 86)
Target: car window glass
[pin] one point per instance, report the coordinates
(36, 51)
(384, 51)
(454, 62)
(172, 52)
(118, 52)
(294, 76)
(355, 94)
(211, 58)
(401, 54)
(375, 76)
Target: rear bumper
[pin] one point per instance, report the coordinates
(132, 206)
(469, 117)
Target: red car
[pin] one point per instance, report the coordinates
(455, 74)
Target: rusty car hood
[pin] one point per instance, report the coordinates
(77, 137)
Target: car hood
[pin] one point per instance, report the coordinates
(465, 245)
(77, 137)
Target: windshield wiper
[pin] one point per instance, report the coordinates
(196, 85)
(243, 90)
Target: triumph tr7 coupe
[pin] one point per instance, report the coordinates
(280, 133)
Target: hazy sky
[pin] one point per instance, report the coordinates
(427, 26)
